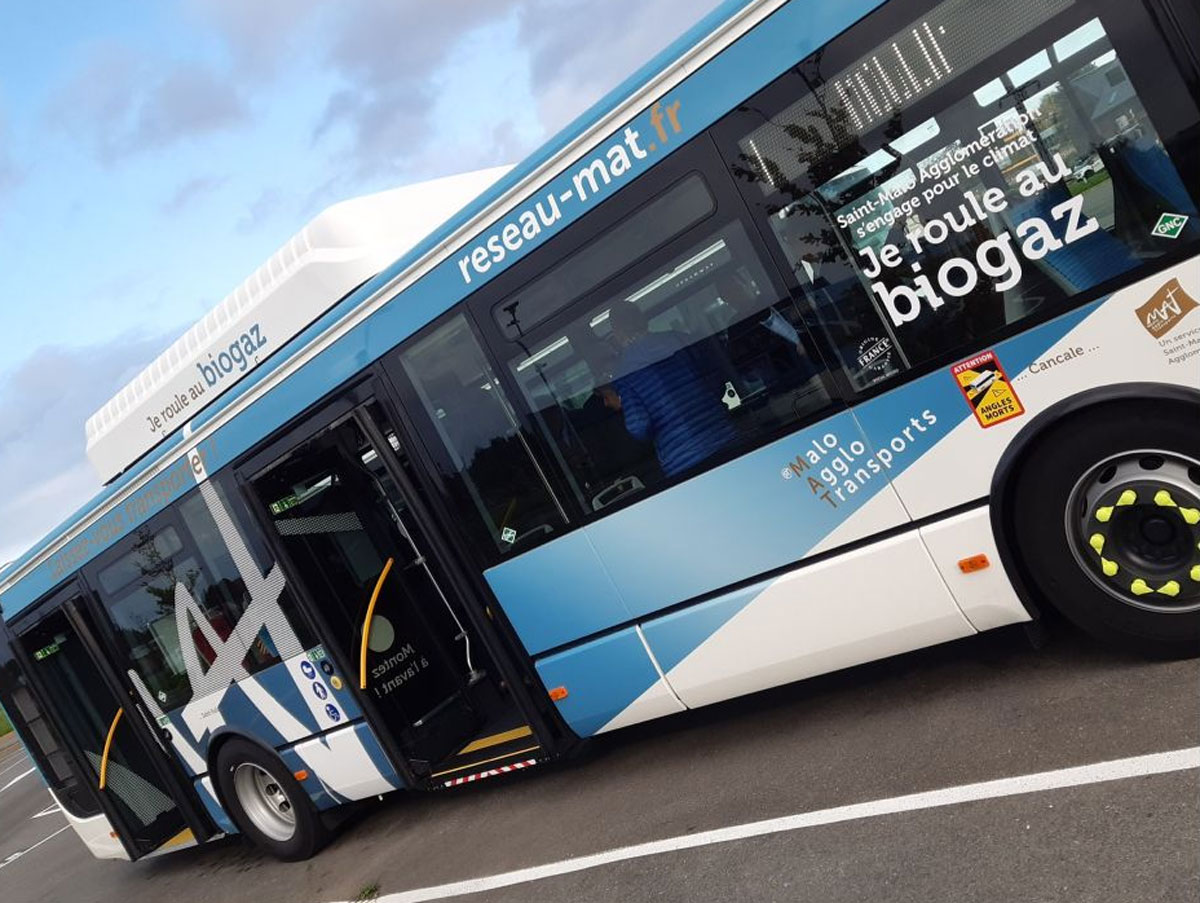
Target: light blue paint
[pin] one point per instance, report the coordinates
(557, 593)
(602, 678)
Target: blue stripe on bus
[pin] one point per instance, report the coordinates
(237, 711)
(219, 816)
(602, 678)
(790, 34)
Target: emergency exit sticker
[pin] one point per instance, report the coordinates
(986, 388)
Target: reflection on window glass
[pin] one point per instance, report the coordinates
(176, 591)
(495, 482)
(691, 361)
(1021, 192)
(680, 206)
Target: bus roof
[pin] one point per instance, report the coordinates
(337, 251)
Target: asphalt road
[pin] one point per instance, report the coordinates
(976, 710)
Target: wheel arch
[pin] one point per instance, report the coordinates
(1027, 441)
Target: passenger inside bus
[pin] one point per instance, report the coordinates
(667, 393)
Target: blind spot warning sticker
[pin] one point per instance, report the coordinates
(986, 388)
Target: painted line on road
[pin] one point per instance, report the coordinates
(49, 810)
(15, 764)
(1100, 772)
(19, 777)
(15, 856)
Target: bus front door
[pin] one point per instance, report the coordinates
(335, 511)
(109, 738)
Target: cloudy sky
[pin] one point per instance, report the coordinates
(153, 154)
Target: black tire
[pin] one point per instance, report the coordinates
(1046, 483)
(309, 833)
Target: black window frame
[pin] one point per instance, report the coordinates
(697, 157)
(1128, 24)
(80, 801)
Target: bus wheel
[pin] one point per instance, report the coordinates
(1106, 522)
(267, 803)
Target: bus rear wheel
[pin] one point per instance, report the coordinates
(1106, 523)
(267, 803)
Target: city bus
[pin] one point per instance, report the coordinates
(841, 329)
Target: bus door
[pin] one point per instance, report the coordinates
(107, 731)
(343, 530)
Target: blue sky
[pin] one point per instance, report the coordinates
(152, 154)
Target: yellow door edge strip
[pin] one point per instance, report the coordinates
(112, 729)
(496, 739)
(366, 631)
(438, 774)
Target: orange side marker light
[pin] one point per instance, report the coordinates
(558, 693)
(301, 775)
(973, 563)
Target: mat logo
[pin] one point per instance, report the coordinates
(1166, 307)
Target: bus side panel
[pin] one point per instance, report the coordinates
(96, 832)
(1102, 343)
(287, 707)
(610, 682)
(557, 593)
(337, 770)
(983, 591)
(762, 511)
(864, 605)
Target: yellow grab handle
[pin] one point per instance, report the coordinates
(112, 729)
(362, 656)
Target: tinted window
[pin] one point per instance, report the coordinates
(1019, 185)
(486, 464)
(42, 740)
(641, 232)
(175, 598)
(683, 362)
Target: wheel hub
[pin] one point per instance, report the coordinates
(1134, 526)
(264, 801)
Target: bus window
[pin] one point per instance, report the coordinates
(42, 739)
(494, 481)
(695, 357)
(913, 236)
(182, 563)
(670, 213)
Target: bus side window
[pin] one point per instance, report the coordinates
(689, 357)
(183, 559)
(924, 226)
(495, 484)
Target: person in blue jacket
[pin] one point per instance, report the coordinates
(665, 393)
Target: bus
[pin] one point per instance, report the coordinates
(841, 329)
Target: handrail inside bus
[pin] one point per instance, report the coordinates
(112, 729)
(366, 631)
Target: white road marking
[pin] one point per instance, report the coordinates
(1115, 770)
(15, 764)
(23, 774)
(15, 856)
(49, 810)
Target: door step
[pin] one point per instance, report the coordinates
(495, 754)
(489, 773)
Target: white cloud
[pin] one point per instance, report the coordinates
(117, 104)
(44, 402)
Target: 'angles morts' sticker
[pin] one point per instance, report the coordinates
(986, 388)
